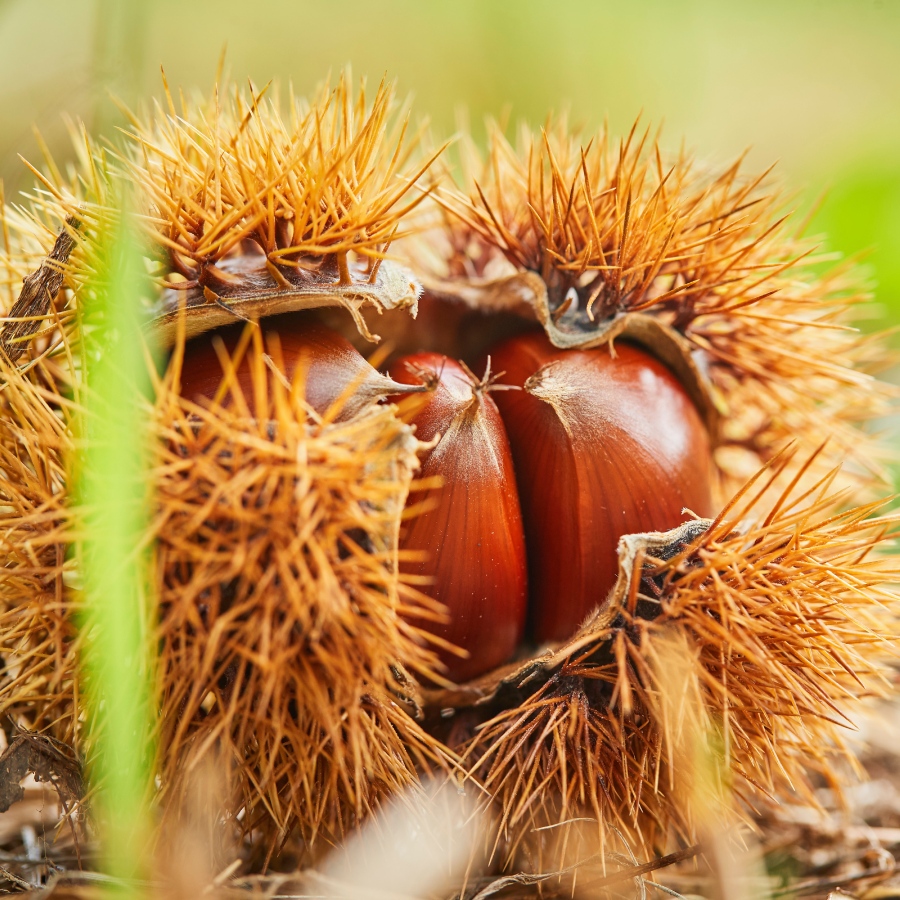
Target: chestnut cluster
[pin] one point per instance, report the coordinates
(543, 463)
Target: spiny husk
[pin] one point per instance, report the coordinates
(282, 620)
(741, 641)
(247, 212)
(282, 650)
(591, 238)
(38, 610)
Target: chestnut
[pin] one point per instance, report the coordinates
(337, 377)
(606, 442)
(471, 541)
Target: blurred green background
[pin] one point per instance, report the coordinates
(814, 84)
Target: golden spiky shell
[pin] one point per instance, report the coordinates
(312, 700)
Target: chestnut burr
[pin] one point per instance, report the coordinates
(472, 541)
(605, 444)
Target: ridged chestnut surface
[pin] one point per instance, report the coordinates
(604, 444)
(472, 540)
(335, 369)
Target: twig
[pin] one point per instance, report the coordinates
(885, 867)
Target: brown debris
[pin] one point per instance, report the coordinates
(39, 291)
(48, 760)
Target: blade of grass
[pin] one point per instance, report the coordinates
(119, 662)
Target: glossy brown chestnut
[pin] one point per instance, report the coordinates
(472, 538)
(604, 444)
(334, 368)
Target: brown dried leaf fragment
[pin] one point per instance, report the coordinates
(39, 290)
(48, 760)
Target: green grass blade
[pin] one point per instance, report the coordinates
(119, 661)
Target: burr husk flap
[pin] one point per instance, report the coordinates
(246, 288)
(636, 551)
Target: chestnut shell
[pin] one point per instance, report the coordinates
(472, 537)
(605, 444)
